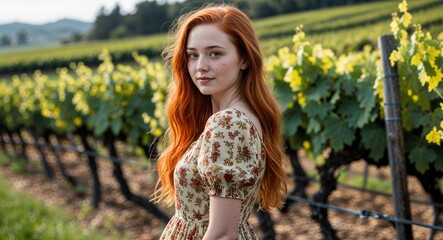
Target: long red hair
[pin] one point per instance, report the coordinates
(188, 109)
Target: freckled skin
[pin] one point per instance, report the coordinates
(212, 54)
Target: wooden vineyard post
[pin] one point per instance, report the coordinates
(394, 135)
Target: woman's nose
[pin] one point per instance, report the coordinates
(202, 64)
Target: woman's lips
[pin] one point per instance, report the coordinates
(204, 79)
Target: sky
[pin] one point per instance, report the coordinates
(45, 11)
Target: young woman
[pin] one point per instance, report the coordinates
(224, 145)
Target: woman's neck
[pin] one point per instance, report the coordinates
(224, 103)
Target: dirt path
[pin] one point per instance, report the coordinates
(118, 216)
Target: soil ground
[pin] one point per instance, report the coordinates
(116, 215)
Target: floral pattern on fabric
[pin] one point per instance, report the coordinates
(227, 160)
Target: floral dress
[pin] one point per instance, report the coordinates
(227, 160)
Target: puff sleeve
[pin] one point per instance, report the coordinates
(229, 160)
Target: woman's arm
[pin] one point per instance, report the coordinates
(224, 217)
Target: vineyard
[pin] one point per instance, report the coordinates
(341, 29)
(333, 105)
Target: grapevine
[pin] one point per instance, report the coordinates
(326, 98)
(420, 60)
(126, 99)
(331, 101)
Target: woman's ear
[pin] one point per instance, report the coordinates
(244, 65)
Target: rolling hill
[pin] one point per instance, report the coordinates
(52, 32)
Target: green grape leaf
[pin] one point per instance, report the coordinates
(336, 96)
(100, 121)
(283, 94)
(428, 68)
(279, 72)
(292, 120)
(356, 117)
(439, 62)
(348, 107)
(134, 134)
(411, 116)
(133, 104)
(338, 133)
(319, 90)
(433, 43)
(357, 72)
(148, 107)
(361, 118)
(347, 84)
(318, 144)
(423, 101)
(429, 120)
(101, 128)
(313, 126)
(365, 95)
(439, 165)
(422, 157)
(374, 139)
(316, 109)
(116, 126)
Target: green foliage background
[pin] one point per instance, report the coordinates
(342, 29)
(331, 100)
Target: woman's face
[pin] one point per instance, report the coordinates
(213, 61)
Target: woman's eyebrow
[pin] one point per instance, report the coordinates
(208, 47)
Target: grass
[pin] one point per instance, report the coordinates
(22, 217)
(357, 180)
(81, 49)
(26, 48)
(371, 183)
(18, 165)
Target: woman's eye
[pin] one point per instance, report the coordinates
(215, 54)
(192, 55)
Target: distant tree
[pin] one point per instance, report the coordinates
(74, 37)
(150, 17)
(154, 16)
(261, 8)
(173, 10)
(104, 24)
(5, 40)
(286, 6)
(22, 37)
(120, 32)
(301, 5)
(242, 4)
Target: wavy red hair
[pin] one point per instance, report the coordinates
(188, 109)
